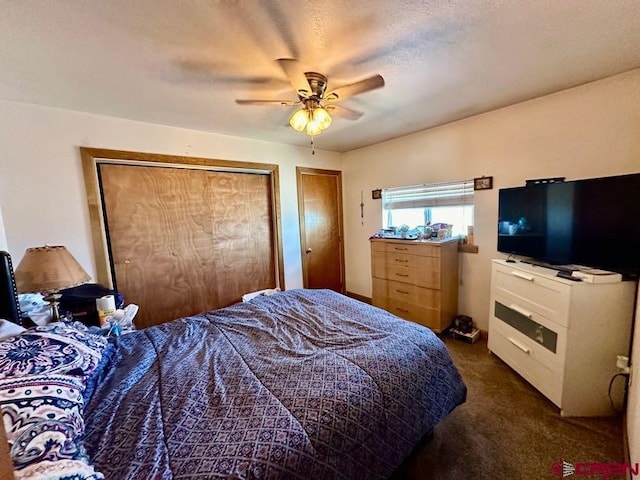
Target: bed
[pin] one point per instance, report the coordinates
(298, 385)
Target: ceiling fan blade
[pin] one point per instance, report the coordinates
(343, 112)
(351, 89)
(296, 76)
(286, 103)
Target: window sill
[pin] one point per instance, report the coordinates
(464, 248)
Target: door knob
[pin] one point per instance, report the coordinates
(309, 250)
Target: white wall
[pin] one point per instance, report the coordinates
(3, 236)
(41, 184)
(588, 131)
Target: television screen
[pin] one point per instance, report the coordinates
(593, 222)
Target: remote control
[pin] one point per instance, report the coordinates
(567, 275)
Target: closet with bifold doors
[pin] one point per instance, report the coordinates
(179, 235)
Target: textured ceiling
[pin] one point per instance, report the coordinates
(183, 63)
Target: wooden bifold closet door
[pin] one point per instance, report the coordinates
(183, 241)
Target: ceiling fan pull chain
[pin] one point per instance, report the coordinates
(313, 147)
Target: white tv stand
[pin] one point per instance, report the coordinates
(560, 335)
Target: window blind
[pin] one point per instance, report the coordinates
(430, 195)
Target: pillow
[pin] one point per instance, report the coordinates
(54, 348)
(9, 329)
(42, 416)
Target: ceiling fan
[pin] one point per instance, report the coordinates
(316, 103)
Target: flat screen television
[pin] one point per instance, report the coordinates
(593, 222)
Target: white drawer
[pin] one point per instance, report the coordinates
(548, 339)
(524, 356)
(535, 293)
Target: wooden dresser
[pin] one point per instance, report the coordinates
(416, 280)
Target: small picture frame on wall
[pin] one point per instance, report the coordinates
(483, 183)
(376, 194)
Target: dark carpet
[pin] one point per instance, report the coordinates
(507, 429)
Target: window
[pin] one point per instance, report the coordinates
(415, 205)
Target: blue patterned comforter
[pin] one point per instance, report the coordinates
(305, 384)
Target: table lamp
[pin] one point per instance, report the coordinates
(49, 269)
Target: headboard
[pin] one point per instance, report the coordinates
(9, 306)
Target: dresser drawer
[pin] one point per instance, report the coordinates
(399, 273)
(424, 315)
(429, 277)
(421, 271)
(420, 249)
(399, 259)
(520, 353)
(535, 293)
(406, 292)
(548, 338)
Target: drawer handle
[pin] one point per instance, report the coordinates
(521, 275)
(401, 249)
(402, 274)
(521, 311)
(522, 347)
(403, 310)
(403, 292)
(400, 260)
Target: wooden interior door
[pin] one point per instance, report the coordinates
(184, 241)
(320, 218)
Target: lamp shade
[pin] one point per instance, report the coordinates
(313, 128)
(299, 119)
(49, 269)
(321, 117)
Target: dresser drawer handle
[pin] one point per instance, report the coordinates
(521, 311)
(522, 347)
(403, 310)
(401, 249)
(521, 275)
(404, 292)
(402, 274)
(400, 260)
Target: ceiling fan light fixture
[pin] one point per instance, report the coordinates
(315, 100)
(321, 117)
(311, 117)
(313, 128)
(299, 119)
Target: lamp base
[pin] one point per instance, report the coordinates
(54, 301)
